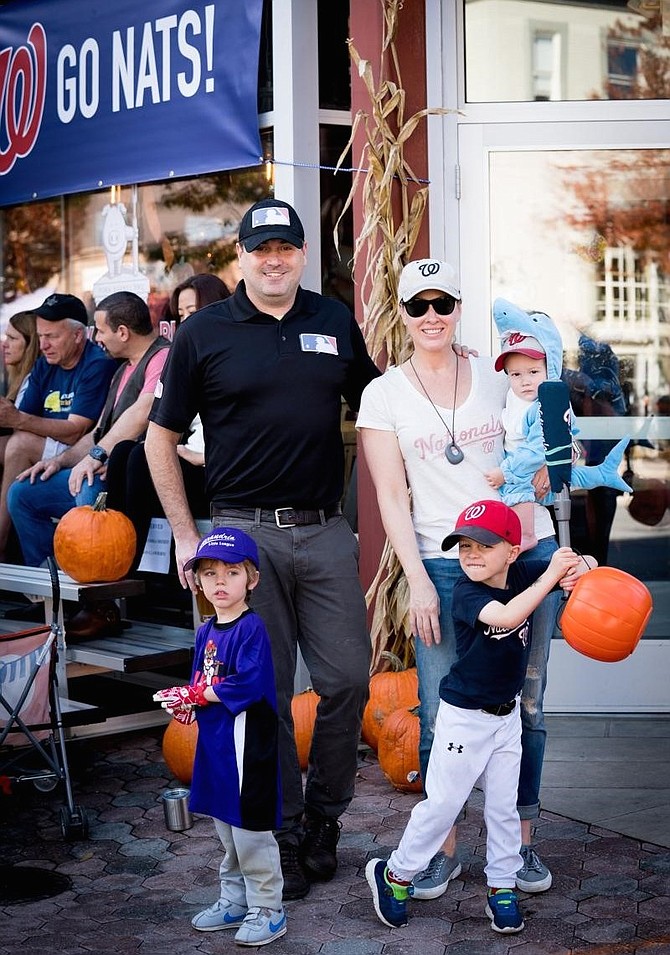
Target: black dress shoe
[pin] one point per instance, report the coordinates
(319, 847)
(101, 619)
(296, 885)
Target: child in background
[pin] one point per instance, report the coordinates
(478, 726)
(524, 361)
(236, 767)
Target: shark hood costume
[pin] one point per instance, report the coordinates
(522, 332)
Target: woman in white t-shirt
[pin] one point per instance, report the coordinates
(433, 425)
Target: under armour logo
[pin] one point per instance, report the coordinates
(456, 746)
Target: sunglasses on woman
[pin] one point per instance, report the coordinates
(416, 307)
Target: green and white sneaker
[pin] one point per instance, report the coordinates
(502, 907)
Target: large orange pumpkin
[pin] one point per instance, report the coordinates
(93, 544)
(303, 710)
(179, 743)
(606, 614)
(389, 691)
(398, 750)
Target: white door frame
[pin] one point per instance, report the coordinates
(459, 149)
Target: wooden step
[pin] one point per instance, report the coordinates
(141, 646)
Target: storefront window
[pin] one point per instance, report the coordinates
(542, 50)
(181, 227)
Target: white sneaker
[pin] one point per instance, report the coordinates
(223, 914)
(261, 926)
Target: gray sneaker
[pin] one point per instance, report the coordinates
(533, 876)
(433, 881)
(223, 914)
(261, 926)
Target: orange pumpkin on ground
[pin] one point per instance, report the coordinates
(389, 691)
(92, 544)
(606, 614)
(303, 711)
(179, 743)
(398, 750)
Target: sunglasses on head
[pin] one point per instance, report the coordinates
(416, 307)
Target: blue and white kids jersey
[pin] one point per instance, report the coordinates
(236, 768)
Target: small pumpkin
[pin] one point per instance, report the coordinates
(179, 742)
(606, 614)
(398, 750)
(389, 691)
(93, 544)
(303, 711)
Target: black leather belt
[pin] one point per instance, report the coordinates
(281, 516)
(504, 709)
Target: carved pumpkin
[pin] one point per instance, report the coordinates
(389, 691)
(179, 743)
(94, 544)
(606, 614)
(303, 710)
(398, 750)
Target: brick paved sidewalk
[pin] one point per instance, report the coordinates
(135, 885)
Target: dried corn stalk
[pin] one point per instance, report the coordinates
(394, 202)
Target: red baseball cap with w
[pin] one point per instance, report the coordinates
(487, 522)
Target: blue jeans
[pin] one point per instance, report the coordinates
(32, 508)
(533, 731)
(434, 662)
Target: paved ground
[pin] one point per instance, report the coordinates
(135, 885)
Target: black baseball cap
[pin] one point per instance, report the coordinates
(271, 219)
(57, 307)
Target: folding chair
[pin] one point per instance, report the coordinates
(31, 724)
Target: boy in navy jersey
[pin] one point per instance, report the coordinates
(478, 726)
(236, 767)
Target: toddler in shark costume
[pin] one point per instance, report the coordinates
(532, 352)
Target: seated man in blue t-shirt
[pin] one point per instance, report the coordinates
(64, 398)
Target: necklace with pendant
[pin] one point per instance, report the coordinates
(452, 452)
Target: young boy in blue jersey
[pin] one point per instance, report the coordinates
(236, 767)
(478, 726)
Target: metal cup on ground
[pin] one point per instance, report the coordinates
(175, 806)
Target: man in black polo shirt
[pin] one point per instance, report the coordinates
(266, 370)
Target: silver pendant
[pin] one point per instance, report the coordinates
(453, 453)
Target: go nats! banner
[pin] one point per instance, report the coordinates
(100, 93)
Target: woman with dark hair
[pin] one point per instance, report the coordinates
(129, 484)
(194, 293)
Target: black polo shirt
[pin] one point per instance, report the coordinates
(269, 395)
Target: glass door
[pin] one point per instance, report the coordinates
(573, 219)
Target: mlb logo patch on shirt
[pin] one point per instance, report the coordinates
(325, 344)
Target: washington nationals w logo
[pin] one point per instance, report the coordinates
(23, 80)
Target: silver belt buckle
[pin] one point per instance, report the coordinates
(278, 511)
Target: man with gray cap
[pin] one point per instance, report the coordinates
(267, 369)
(65, 395)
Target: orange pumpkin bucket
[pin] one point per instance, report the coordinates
(606, 614)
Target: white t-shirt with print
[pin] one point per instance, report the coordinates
(440, 490)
